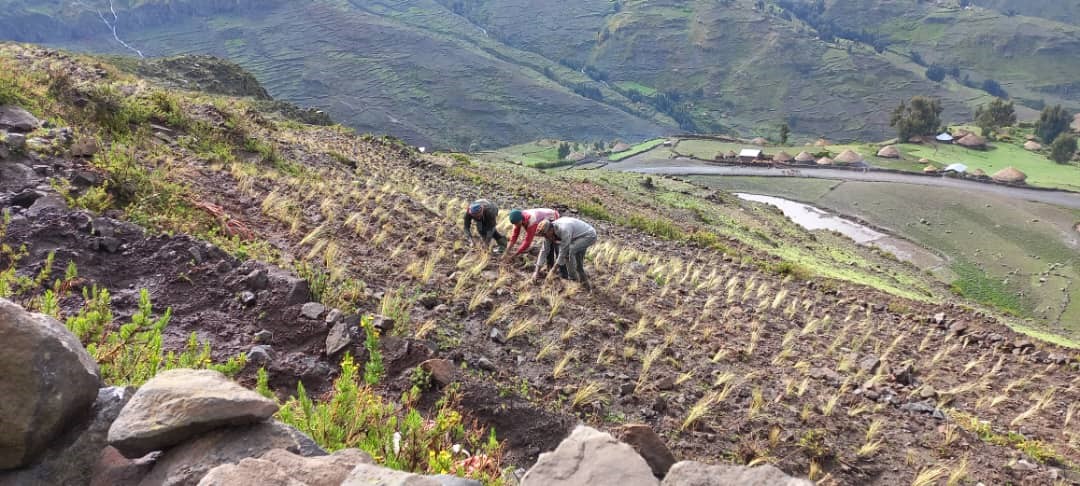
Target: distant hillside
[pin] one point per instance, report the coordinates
(475, 74)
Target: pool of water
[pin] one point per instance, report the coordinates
(813, 218)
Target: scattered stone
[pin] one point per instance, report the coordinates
(923, 407)
(649, 445)
(49, 201)
(927, 391)
(589, 456)
(958, 328)
(333, 316)
(15, 141)
(497, 336)
(869, 364)
(1024, 465)
(442, 371)
(822, 373)
(666, 383)
(448, 480)
(18, 119)
(626, 389)
(261, 354)
(282, 467)
(188, 462)
(382, 323)
(179, 404)
(247, 298)
(939, 318)
(485, 364)
(86, 147)
(690, 473)
(341, 336)
(109, 244)
(49, 381)
(25, 198)
(256, 280)
(904, 374)
(1023, 343)
(312, 310)
(264, 336)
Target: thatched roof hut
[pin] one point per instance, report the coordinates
(804, 158)
(889, 152)
(930, 169)
(924, 160)
(760, 142)
(821, 142)
(1010, 175)
(972, 141)
(783, 157)
(978, 173)
(849, 157)
(731, 154)
(824, 161)
(620, 147)
(1032, 146)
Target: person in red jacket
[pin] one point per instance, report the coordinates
(528, 220)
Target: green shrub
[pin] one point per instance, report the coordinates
(355, 415)
(373, 369)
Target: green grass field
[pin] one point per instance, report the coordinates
(636, 149)
(1018, 256)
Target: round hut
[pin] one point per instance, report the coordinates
(848, 157)
(972, 141)
(821, 142)
(1010, 175)
(924, 160)
(930, 170)
(804, 158)
(824, 161)
(731, 154)
(620, 147)
(889, 152)
(978, 174)
(783, 157)
(760, 142)
(1032, 146)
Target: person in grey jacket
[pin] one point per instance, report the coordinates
(573, 237)
(485, 213)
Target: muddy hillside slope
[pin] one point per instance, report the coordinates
(735, 335)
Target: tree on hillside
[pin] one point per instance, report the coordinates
(1063, 148)
(785, 131)
(997, 114)
(564, 150)
(1052, 121)
(935, 73)
(919, 116)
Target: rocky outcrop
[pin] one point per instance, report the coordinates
(177, 405)
(49, 383)
(187, 463)
(17, 119)
(589, 456)
(282, 467)
(690, 473)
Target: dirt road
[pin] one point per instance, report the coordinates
(647, 164)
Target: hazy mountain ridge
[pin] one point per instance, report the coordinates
(473, 74)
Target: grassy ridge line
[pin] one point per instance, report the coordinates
(637, 149)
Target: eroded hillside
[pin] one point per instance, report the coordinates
(732, 332)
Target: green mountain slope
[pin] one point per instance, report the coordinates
(475, 74)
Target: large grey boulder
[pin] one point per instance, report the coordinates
(188, 463)
(589, 456)
(690, 473)
(49, 382)
(177, 405)
(77, 451)
(282, 468)
(371, 475)
(15, 118)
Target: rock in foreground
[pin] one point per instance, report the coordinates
(179, 404)
(49, 381)
(690, 473)
(589, 456)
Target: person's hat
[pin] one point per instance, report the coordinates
(516, 216)
(543, 226)
(476, 209)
